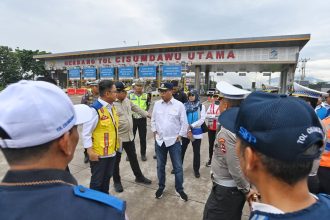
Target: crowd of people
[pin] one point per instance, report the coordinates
(271, 150)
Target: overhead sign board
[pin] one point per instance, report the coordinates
(147, 71)
(171, 71)
(74, 74)
(106, 73)
(89, 73)
(126, 72)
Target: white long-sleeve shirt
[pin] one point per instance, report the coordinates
(89, 127)
(169, 120)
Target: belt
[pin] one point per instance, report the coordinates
(226, 183)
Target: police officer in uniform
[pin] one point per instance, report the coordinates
(230, 188)
(37, 150)
(278, 138)
(91, 95)
(141, 99)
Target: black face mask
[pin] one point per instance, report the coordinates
(217, 102)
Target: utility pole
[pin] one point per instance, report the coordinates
(303, 67)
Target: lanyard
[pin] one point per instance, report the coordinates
(212, 107)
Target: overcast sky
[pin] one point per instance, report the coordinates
(72, 25)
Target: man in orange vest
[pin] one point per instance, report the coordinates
(324, 169)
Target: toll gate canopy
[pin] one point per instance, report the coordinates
(172, 60)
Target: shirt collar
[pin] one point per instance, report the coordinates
(169, 102)
(23, 176)
(104, 103)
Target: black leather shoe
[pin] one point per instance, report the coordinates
(143, 180)
(143, 158)
(118, 187)
(197, 174)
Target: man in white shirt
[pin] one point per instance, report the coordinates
(169, 124)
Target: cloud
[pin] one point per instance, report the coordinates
(72, 25)
(318, 69)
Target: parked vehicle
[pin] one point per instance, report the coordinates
(211, 92)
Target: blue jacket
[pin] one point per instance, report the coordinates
(57, 197)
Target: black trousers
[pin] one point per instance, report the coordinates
(129, 147)
(211, 135)
(324, 176)
(141, 124)
(197, 152)
(224, 203)
(102, 171)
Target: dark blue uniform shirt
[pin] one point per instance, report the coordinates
(54, 194)
(318, 211)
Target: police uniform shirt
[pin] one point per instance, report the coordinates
(225, 164)
(53, 194)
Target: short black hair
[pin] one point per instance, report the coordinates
(16, 156)
(289, 172)
(104, 85)
(233, 102)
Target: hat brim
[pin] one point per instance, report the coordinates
(163, 89)
(227, 119)
(83, 113)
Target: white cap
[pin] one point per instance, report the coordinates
(36, 112)
(303, 91)
(231, 92)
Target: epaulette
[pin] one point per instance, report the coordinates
(109, 200)
(96, 105)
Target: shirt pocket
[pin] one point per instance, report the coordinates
(173, 115)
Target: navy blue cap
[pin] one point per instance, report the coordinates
(175, 82)
(277, 126)
(166, 86)
(120, 86)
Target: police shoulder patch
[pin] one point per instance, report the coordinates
(109, 200)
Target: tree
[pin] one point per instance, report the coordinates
(31, 67)
(10, 69)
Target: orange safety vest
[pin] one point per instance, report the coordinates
(325, 158)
